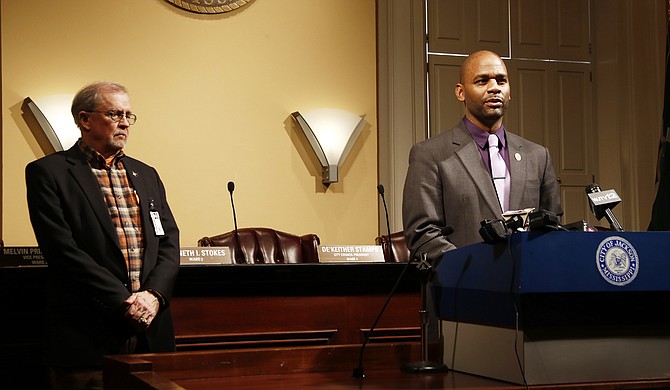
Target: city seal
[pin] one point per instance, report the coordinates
(209, 6)
(617, 261)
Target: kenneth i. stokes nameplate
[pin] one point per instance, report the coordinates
(205, 255)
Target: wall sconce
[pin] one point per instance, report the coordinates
(331, 133)
(53, 115)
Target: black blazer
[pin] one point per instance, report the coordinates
(87, 276)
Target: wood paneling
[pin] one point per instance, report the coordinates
(401, 86)
(576, 205)
(288, 319)
(462, 26)
(530, 108)
(614, 135)
(577, 158)
(445, 110)
(557, 30)
(246, 306)
(551, 100)
(551, 105)
(236, 307)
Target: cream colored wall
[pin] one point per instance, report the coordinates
(214, 96)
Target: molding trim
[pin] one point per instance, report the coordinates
(401, 100)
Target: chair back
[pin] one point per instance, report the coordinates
(265, 245)
(397, 251)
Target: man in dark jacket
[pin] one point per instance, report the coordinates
(102, 220)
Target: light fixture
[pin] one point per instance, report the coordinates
(53, 115)
(331, 133)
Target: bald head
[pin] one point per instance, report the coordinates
(477, 57)
(484, 89)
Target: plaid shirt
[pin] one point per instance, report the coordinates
(123, 206)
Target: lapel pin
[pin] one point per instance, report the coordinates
(517, 156)
(135, 173)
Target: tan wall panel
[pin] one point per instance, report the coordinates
(576, 205)
(530, 23)
(491, 29)
(531, 88)
(556, 30)
(214, 94)
(573, 41)
(445, 110)
(572, 24)
(401, 75)
(577, 159)
(622, 112)
(463, 26)
(571, 122)
(448, 37)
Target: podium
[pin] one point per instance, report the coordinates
(557, 307)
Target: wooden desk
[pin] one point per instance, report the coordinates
(264, 305)
(233, 307)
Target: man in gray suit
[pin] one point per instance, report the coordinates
(449, 181)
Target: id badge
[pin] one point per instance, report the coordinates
(155, 219)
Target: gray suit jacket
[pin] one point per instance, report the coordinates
(448, 184)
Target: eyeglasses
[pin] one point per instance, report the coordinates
(117, 116)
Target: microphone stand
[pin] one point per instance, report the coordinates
(614, 223)
(359, 371)
(425, 365)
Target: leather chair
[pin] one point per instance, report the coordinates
(400, 251)
(265, 245)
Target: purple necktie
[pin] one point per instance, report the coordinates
(499, 172)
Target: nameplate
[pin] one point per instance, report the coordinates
(18, 256)
(350, 253)
(205, 255)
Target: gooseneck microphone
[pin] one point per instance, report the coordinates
(238, 248)
(231, 188)
(380, 189)
(359, 372)
(602, 203)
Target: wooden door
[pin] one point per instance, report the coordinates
(550, 74)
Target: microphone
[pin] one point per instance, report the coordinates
(497, 230)
(231, 188)
(238, 248)
(602, 203)
(359, 372)
(544, 219)
(380, 189)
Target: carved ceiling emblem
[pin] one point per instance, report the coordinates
(209, 6)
